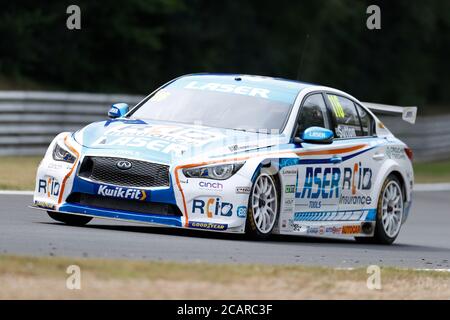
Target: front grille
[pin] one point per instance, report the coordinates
(142, 174)
(123, 204)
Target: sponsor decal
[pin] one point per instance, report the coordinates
(230, 88)
(345, 131)
(55, 166)
(325, 183)
(121, 193)
(241, 211)
(162, 138)
(212, 207)
(312, 230)
(147, 143)
(333, 230)
(289, 201)
(296, 227)
(355, 229)
(289, 172)
(208, 225)
(49, 186)
(315, 230)
(290, 188)
(243, 190)
(45, 205)
(287, 162)
(235, 147)
(345, 215)
(393, 152)
(210, 185)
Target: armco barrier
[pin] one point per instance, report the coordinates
(29, 120)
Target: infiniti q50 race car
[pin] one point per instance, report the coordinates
(236, 153)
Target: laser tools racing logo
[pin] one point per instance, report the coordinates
(326, 183)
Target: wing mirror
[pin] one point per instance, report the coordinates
(316, 135)
(118, 110)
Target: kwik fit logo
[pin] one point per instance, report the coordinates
(122, 193)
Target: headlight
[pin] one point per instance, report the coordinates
(61, 154)
(219, 172)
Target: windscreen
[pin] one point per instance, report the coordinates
(240, 105)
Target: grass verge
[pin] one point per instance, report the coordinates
(18, 173)
(45, 278)
(430, 172)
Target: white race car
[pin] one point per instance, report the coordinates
(236, 153)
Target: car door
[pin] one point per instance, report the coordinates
(354, 130)
(318, 176)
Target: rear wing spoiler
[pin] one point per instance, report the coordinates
(409, 114)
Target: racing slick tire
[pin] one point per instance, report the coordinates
(263, 207)
(389, 213)
(69, 219)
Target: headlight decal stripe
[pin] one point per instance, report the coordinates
(63, 184)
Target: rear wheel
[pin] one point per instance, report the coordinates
(389, 213)
(263, 207)
(70, 219)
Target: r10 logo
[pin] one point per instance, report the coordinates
(49, 186)
(212, 206)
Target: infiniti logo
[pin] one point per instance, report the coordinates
(124, 165)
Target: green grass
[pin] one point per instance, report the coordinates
(18, 173)
(432, 172)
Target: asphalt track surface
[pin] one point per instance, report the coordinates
(424, 241)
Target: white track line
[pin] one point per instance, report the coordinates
(420, 187)
(405, 269)
(16, 192)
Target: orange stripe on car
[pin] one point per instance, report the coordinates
(63, 184)
(301, 153)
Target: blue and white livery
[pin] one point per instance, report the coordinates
(236, 153)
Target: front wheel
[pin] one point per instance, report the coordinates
(389, 213)
(263, 207)
(70, 219)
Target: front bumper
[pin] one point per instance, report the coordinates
(57, 184)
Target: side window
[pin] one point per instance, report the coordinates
(313, 113)
(366, 121)
(345, 117)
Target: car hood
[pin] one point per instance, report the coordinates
(167, 142)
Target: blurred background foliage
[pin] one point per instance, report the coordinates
(134, 46)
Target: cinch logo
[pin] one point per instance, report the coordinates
(122, 193)
(326, 181)
(49, 186)
(210, 185)
(212, 206)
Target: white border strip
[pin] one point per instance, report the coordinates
(424, 187)
(16, 192)
(420, 187)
